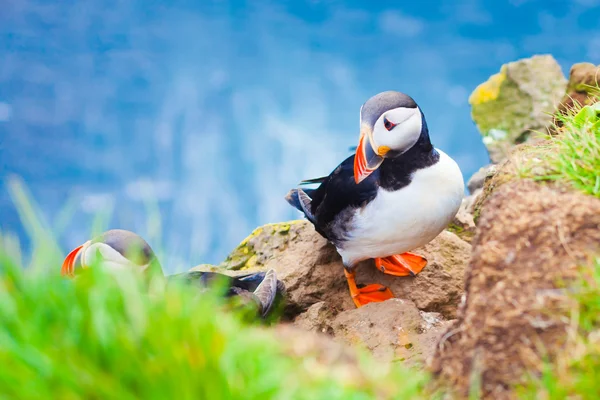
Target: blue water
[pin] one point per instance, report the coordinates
(214, 109)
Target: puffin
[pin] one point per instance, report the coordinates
(396, 193)
(118, 249)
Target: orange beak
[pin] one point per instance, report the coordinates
(68, 267)
(366, 160)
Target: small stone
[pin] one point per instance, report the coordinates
(582, 88)
(478, 178)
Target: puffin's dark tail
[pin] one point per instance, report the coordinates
(300, 199)
(292, 198)
(266, 292)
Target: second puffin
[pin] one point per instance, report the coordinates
(395, 194)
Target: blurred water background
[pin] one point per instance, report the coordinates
(207, 112)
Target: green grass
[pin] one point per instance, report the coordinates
(573, 154)
(105, 336)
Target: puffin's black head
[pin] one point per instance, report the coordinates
(391, 123)
(115, 249)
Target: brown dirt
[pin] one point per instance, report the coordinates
(530, 238)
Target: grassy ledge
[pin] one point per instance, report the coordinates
(572, 155)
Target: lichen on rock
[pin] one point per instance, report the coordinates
(262, 244)
(516, 101)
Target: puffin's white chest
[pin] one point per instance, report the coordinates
(399, 221)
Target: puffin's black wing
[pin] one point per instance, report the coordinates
(338, 192)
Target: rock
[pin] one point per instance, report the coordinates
(317, 318)
(319, 300)
(478, 178)
(582, 88)
(391, 330)
(463, 224)
(312, 270)
(531, 237)
(516, 101)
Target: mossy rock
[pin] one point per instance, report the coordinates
(261, 245)
(516, 101)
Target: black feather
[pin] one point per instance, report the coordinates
(313, 180)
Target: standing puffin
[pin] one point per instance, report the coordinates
(117, 249)
(396, 193)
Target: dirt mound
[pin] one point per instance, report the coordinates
(530, 239)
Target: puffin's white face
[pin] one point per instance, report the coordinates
(110, 256)
(391, 123)
(397, 130)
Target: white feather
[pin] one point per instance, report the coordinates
(404, 135)
(399, 221)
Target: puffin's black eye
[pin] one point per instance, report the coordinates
(388, 125)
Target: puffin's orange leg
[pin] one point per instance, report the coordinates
(368, 294)
(405, 264)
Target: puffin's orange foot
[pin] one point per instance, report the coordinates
(368, 294)
(373, 293)
(405, 264)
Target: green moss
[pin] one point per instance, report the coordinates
(465, 234)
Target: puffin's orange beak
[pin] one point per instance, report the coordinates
(68, 267)
(366, 160)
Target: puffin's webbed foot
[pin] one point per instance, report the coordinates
(368, 294)
(405, 264)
